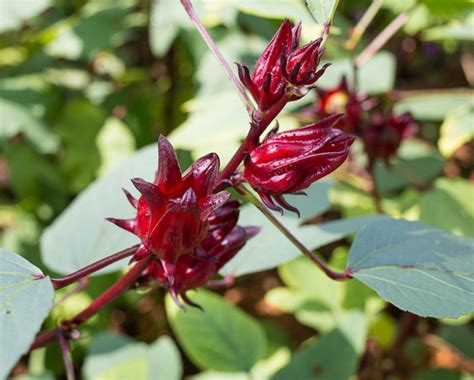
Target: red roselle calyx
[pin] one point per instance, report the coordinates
(191, 231)
(288, 162)
(384, 133)
(341, 100)
(283, 69)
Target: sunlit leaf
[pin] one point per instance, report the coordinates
(116, 357)
(417, 268)
(220, 337)
(26, 297)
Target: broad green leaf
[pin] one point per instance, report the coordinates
(293, 9)
(270, 248)
(415, 267)
(417, 163)
(26, 296)
(14, 13)
(322, 10)
(449, 205)
(434, 105)
(17, 119)
(101, 25)
(448, 8)
(316, 200)
(375, 77)
(116, 357)
(78, 125)
(457, 30)
(41, 184)
(333, 355)
(115, 142)
(81, 229)
(457, 129)
(216, 124)
(166, 20)
(460, 337)
(220, 337)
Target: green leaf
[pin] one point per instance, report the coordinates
(115, 357)
(415, 267)
(101, 25)
(434, 105)
(166, 20)
(457, 129)
(199, 133)
(78, 125)
(26, 298)
(333, 355)
(81, 229)
(460, 337)
(14, 13)
(41, 184)
(457, 30)
(294, 10)
(115, 142)
(273, 248)
(17, 119)
(416, 163)
(322, 10)
(448, 8)
(449, 206)
(221, 337)
(375, 77)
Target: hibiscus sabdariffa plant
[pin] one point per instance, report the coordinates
(188, 222)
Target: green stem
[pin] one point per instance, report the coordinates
(338, 276)
(188, 7)
(363, 24)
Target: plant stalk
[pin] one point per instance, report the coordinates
(188, 7)
(99, 303)
(363, 24)
(383, 37)
(66, 353)
(59, 283)
(338, 276)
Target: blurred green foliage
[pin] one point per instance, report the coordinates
(85, 83)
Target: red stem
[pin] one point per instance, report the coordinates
(382, 38)
(59, 283)
(99, 303)
(215, 50)
(338, 276)
(66, 353)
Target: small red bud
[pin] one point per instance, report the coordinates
(289, 162)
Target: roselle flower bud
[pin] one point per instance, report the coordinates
(190, 231)
(300, 67)
(224, 239)
(288, 162)
(385, 132)
(172, 211)
(266, 83)
(340, 100)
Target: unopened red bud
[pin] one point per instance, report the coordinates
(291, 161)
(385, 132)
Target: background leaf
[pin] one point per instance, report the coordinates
(270, 248)
(96, 238)
(115, 357)
(318, 359)
(417, 268)
(322, 10)
(220, 337)
(26, 298)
